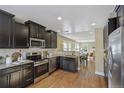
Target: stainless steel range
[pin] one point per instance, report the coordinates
(41, 65)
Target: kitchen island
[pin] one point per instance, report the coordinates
(68, 63)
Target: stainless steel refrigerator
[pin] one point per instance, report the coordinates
(116, 59)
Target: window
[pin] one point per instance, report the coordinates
(77, 47)
(65, 46)
(69, 46)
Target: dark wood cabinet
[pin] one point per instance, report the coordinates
(60, 62)
(27, 75)
(54, 39)
(68, 64)
(10, 77)
(6, 21)
(41, 32)
(4, 81)
(36, 30)
(17, 76)
(47, 39)
(15, 79)
(33, 29)
(21, 36)
(112, 25)
(51, 39)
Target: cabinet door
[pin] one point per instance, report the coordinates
(4, 81)
(15, 79)
(61, 62)
(53, 39)
(112, 25)
(47, 39)
(33, 30)
(41, 32)
(72, 66)
(21, 36)
(65, 65)
(5, 30)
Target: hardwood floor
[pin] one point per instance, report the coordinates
(85, 78)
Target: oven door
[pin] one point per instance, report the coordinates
(41, 69)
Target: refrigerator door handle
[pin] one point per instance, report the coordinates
(110, 55)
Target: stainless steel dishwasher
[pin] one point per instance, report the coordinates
(52, 64)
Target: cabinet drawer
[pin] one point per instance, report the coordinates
(27, 82)
(30, 65)
(69, 59)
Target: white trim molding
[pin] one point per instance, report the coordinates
(100, 73)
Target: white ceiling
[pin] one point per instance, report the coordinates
(77, 19)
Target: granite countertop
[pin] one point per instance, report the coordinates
(4, 66)
(70, 56)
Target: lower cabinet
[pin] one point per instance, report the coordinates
(27, 75)
(15, 79)
(4, 82)
(10, 77)
(68, 64)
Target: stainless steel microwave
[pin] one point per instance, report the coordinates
(37, 43)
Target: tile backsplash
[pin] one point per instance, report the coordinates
(4, 52)
(53, 52)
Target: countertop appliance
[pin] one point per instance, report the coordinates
(41, 65)
(116, 59)
(34, 42)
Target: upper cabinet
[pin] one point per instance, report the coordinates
(112, 25)
(6, 22)
(54, 39)
(48, 39)
(41, 32)
(118, 20)
(17, 35)
(51, 39)
(20, 35)
(12, 34)
(36, 30)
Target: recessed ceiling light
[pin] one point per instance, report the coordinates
(59, 18)
(93, 24)
(91, 32)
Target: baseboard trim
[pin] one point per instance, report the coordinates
(100, 73)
